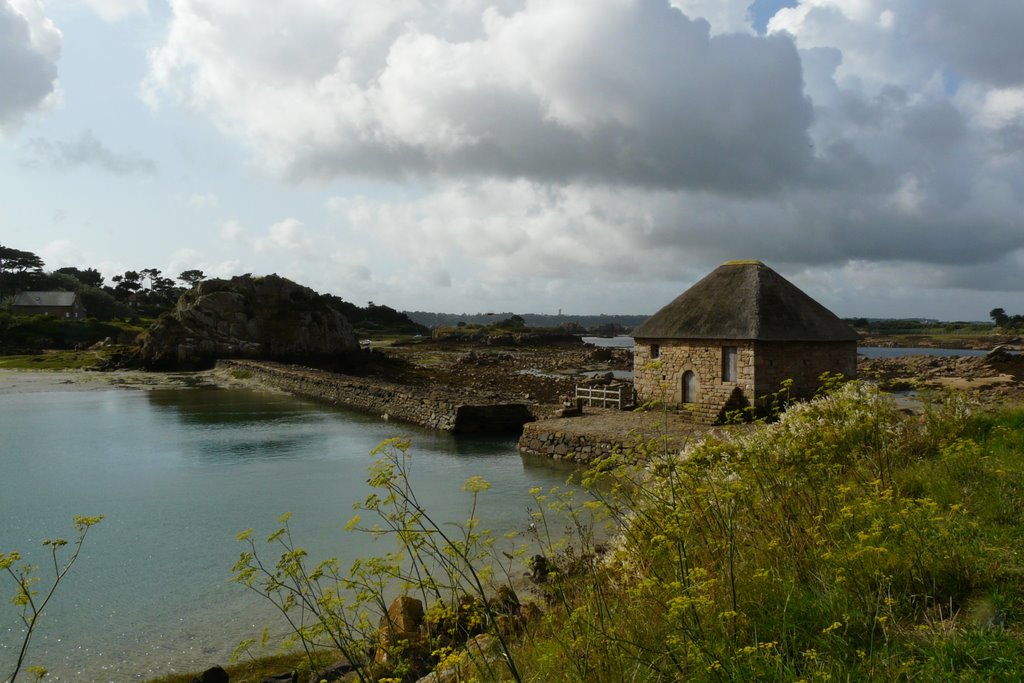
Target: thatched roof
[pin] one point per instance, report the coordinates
(745, 300)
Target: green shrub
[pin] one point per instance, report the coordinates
(846, 541)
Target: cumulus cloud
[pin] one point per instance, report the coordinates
(596, 90)
(232, 231)
(87, 150)
(30, 47)
(724, 16)
(647, 140)
(285, 236)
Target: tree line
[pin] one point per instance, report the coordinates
(133, 293)
(1005, 321)
(148, 293)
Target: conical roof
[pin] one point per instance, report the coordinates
(745, 300)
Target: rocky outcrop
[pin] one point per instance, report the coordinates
(246, 317)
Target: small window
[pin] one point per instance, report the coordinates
(655, 351)
(728, 363)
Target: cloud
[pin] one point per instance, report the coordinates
(30, 47)
(554, 146)
(58, 253)
(286, 236)
(232, 231)
(724, 16)
(117, 10)
(909, 42)
(598, 90)
(87, 150)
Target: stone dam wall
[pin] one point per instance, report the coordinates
(563, 443)
(427, 407)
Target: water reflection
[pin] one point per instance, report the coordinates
(229, 407)
(178, 475)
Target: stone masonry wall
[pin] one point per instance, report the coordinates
(566, 445)
(803, 362)
(425, 407)
(664, 383)
(761, 369)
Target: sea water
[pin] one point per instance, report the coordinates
(178, 474)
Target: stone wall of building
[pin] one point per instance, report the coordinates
(802, 362)
(433, 408)
(661, 379)
(761, 369)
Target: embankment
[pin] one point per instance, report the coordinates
(600, 432)
(436, 408)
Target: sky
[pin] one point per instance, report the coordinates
(588, 156)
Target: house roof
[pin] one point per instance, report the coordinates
(745, 300)
(44, 299)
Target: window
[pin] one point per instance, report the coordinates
(689, 387)
(655, 351)
(728, 363)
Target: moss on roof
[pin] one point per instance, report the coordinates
(745, 300)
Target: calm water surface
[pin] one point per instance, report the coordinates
(178, 474)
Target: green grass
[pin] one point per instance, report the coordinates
(53, 360)
(847, 542)
(250, 671)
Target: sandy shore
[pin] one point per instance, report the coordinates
(34, 381)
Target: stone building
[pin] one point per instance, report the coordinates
(733, 338)
(58, 304)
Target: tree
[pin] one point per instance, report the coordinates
(90, 277)
(100, 304)
(17, 269)
(513, 322)
(191, 278)
(999, 317)
(55, 282)
(127, 284)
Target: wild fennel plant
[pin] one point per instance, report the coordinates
(31, 601)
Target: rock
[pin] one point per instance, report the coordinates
(531, 612)
(505, 601)
(212, 675)
(999, 354)
(287, 677)
(267, 317)
(540, 567)
(334, 672)
(401, 623)
(482, 651)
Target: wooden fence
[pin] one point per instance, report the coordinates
(616, 396)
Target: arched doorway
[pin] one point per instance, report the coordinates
(689, 387)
